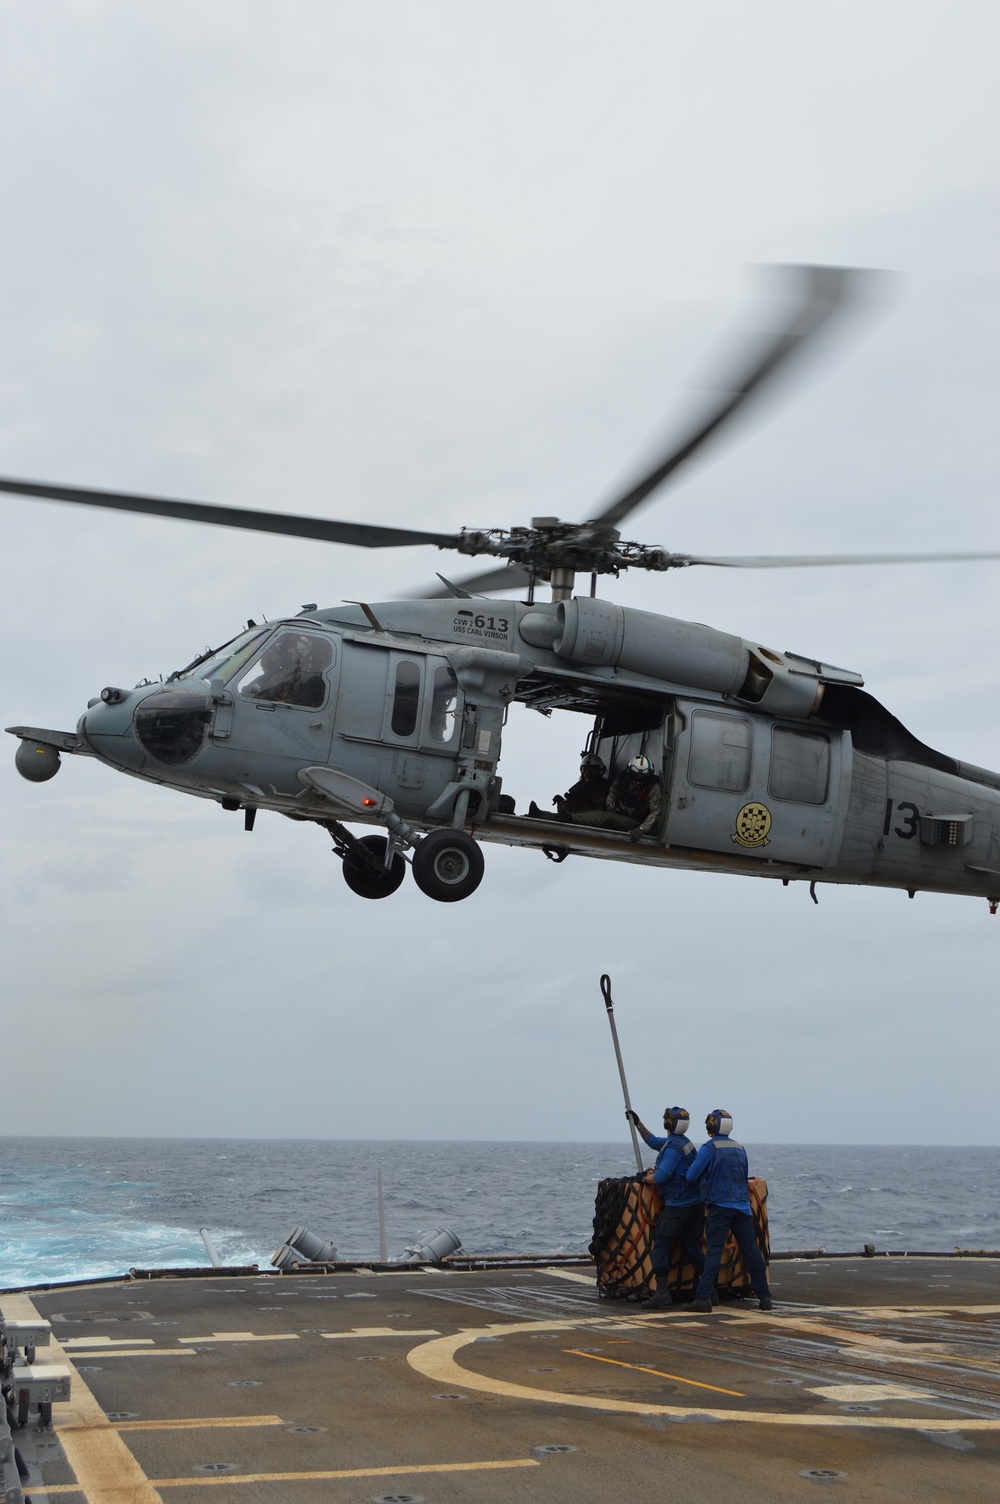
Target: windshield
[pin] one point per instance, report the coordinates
(222, 663)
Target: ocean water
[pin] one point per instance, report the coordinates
(80, 1208)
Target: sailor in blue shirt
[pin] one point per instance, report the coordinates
(722, 1171)
(683, 1212)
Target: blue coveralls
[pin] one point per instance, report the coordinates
(722, 1169)
(683, 1212)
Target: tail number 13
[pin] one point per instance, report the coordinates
(907, 813)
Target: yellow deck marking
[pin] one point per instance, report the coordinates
(907, 1352)
(379, 1331)
(69, 1342)
(579, 1279)
(920, 1353)
(134, 1352)
(436, 1361)
(243, 1337)
(596, 1357)
(105, 1469)
(891, 1313)
(851, 1394)
(347, 1472)
(930, 1352)
(195, 1423)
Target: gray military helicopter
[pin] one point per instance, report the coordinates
(392, 714)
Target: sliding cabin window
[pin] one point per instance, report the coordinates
(721, 752)
(800, 766)
(406, 698)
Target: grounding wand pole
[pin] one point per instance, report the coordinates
(608, 1003)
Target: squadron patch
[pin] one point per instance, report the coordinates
(752, 825)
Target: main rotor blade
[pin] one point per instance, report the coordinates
(509, 577)
(827, 290)
(361, 534)
(801, 561)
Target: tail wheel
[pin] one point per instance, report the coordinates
(448, 865)
(373, 879)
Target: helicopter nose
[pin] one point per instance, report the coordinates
(106, 727)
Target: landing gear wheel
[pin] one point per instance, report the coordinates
(373, 882)
(448, 865)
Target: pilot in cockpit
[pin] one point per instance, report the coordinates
(292, 671)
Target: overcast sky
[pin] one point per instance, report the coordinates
(448, 264)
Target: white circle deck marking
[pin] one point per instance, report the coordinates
(437, 1360)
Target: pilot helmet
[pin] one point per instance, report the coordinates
(590, 762)
(676, 1119)
(282, 649)
(719, 1122)
(641, 767)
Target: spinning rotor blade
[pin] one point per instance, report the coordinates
(361, 534)
(803, 561)
(828, 289)
(509, 577)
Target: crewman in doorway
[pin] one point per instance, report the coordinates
(634, 801)
(722, 1171)
(682, 1216)
(590, 792)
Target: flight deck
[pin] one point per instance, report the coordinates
(879, 1377)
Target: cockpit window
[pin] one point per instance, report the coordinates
(224, 662)
(290, 670)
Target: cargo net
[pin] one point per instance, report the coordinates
(624, 1220)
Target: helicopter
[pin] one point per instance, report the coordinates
(392, 714)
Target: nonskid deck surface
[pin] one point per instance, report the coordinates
(880, 1377)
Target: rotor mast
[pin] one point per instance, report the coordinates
(562, 583)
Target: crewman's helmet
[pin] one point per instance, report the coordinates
(641, 767)
(591, 763)
(719, 1123)
(676, 1119)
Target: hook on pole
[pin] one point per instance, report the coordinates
(608, 1003)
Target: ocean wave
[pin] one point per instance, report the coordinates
(66, 1217)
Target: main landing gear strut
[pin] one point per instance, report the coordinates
(447, 864)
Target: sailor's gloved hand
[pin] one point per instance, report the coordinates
(634, 833)
(634, 1116)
